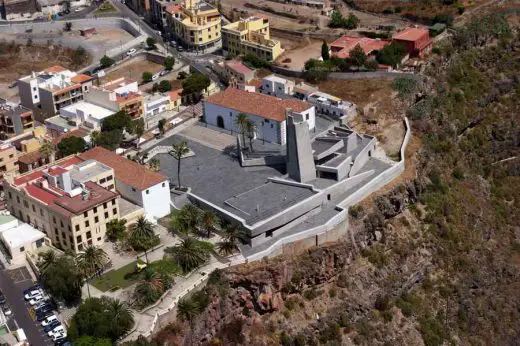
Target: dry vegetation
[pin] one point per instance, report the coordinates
(133, 69)
(19, 60)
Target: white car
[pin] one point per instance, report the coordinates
(59, 336)
(78, 10)
(7, 310)
(36, 300)
(155, 76)
(56, 331)
(33, 294)
(131, 52)
(49, 320)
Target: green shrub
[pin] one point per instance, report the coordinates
(332, 292)
(375, 255)
(433, 331)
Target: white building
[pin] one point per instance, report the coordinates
(19, 237)
(87, 114)
(278, 86)
(331, 105)
(121, 86)
(267, 112)
(155, 104)
(135, 182)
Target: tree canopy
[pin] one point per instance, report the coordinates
(63, 279)
(391, 54)
(117, 121)
(71, 145)
(195, 83)
(325, 51)
(337, 20)
(168, 62)
(103, 317)
(106, 61)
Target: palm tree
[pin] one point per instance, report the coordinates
(187, 310)
(154, 164)
(142, 235)
(251, 131)
(179, 151)
(241, 122)
(229, 244)
(121, 320)
(47, 150)
(115, 229)
(190, 253)
(47, 260)
(209, 222)
(186, 219)
(90, 260)
(150, 288)
(94, 138)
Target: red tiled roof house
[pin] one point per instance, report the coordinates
(416, 41)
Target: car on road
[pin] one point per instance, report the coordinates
(155, 76)
(49, 320)
(56, 330)
(52, 326)
(7, 310)
(31, 294)
(164, 72)
(131, 52)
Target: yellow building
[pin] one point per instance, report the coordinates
(250, 36)
(195, 23)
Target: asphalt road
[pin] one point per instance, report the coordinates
(14, 296)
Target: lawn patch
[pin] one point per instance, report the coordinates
(115, 278)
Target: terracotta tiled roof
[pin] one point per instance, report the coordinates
(238, 67)
(81, 78)
(38, 173)
(264, 106)
(30, 158)
(411, 34)
(127, 171)
(55, 171)
(257, 83)
(175, 94)
(77, 204)
(55, 69)
(343, 45)
(171, 9)
(77, 133)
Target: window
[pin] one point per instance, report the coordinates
(35, 96)
(102, 181)
(328, 197)
(99, 239)
(163, 184)
(106, 215)
(80, 247)
(272, 125)
(269, 234)
(41, 212)
(85, 214)
(25, 204)
(110, 187)
(28, 219)
(77, 228)
(113, 202)
(96, 219)
(34, 208)
(87, 224)
(105, 205)
(95, 209)
(18, 199)
(78, 238)
(22, 249)
(11, 196)
(89, 235)
(11, 156)
(61, 223)
(133, 189)
(63, 235)
(89, 242)
(53, 219)
(114, 211)
(307, 116)
(147, 192)
(70, 229)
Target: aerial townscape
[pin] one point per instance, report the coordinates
(235, 172)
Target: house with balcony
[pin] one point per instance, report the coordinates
(47, 91)
(250, 36)
(15, 119)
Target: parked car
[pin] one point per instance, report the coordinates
(79, 9)
(62, 342)
(56, 331)
(51, 326)
(2, 298)
(49, 320)
(155, 76)
(36, 300)
(180, 49)
(173, 43)
(60, 335)
(67, 11)
(31, 294)
(131, 52)
(43, 309)
(7, 310)
(32, 288)
(164, 72)
(42, 316)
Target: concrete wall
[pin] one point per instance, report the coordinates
(362, 157)
(156, 200)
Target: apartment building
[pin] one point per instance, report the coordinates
(48, 91)
(195, 23)
(234, 72)
(15, 119)
(71, 201)
(8, 159)
(250, 36)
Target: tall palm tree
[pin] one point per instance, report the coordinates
(209, 222)
(179, 150)
(47, 150)
(150, 288)
(47, 260)
(122, 319)
(142, 235)
(190, 253)
(229, 244)
(241, 122)
(94, 138)
(187, 309)
(186, 219)
(251, 131)
(90, 260)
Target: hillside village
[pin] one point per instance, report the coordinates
(213, 173)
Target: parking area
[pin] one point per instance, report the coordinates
(19, 312)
